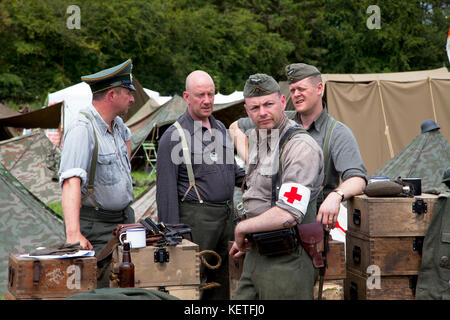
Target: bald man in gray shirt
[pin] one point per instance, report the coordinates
(195, 182)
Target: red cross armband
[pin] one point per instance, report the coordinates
(295, 195)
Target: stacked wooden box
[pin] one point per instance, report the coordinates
(49, 279)
(384, 245)
(171, 269)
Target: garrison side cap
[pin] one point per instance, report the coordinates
(299, 71)
(118, 76)
(260, 84)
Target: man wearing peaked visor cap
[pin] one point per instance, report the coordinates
(95, 170)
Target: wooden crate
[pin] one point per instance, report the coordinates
(358, 287)
(336, 267)
(31, 278)
(390, 217)
(332, 290)
(392, 255)
(182, 267)
(187, 292)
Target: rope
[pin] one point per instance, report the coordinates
(219, 259)
(432, 99)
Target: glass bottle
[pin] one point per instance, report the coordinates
(126, 268)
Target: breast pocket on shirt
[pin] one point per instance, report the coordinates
(107, 169)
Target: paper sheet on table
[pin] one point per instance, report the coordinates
(80, 253)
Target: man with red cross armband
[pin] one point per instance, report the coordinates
(272, 210)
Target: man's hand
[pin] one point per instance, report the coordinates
(329, 210)
(235, 253)
(84, 243)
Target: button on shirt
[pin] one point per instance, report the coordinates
(301, 163)
(215, 169)
(113, 188)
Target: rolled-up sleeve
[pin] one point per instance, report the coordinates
(346, 156)
(75, 155)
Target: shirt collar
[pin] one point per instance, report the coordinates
(187, 122)
(101, 124)
(318, 123)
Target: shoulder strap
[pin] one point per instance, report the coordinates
(292, 131)
(187, 161)
(326, 146)
(93, 167)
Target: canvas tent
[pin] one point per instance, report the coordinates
(426, 157)
(33, 160)
(46, 118)
(26, 223)
(385, 110)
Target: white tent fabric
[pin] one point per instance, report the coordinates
(75, 98)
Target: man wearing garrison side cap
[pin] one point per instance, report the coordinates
(276, 272)
(342, 158)
(95, 171)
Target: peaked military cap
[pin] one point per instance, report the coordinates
(299, 71)
(118, 76)
(260, 84)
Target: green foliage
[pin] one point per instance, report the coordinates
(230, 39)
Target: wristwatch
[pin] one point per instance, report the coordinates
(339, 192)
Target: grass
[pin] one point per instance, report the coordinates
(141, 181)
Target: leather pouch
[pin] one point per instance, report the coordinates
(276, 242)
(311, 239)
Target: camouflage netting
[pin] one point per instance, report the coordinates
(34, 161)
(426, 157)
(25, 223)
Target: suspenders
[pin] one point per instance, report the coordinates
(187, 161)
(93, 167)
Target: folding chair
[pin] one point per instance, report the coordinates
(150, 155)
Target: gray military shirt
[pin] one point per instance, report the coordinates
(113, 188)
(344, 158)
(301, 164)
(215, 177)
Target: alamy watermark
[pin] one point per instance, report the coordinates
(374, 21)
(74, 20)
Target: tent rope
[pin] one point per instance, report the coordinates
(386, 130)
(432, 99)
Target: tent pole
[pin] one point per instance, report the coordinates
(432, 99)
(386, 130)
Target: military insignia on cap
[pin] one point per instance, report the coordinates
(255, 79)
(290, 72)
(259, 91)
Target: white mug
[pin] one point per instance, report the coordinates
(135, 236)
